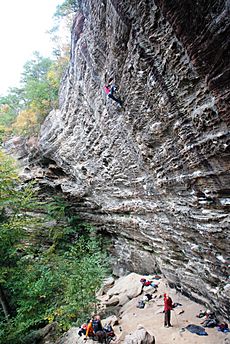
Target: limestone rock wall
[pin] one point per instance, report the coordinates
(154, 173)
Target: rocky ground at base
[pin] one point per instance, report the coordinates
(123, 297)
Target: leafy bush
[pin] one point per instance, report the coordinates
(41, 281)
(25, 108)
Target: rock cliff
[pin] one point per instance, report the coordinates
(154, 174)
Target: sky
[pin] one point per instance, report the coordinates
(23, 27)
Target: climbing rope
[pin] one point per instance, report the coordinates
(179, 329)
(135, 246)
(178, 301)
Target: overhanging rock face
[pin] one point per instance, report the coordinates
(154, 173)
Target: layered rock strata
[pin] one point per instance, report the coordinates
(154, 173)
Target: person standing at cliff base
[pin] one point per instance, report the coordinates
(110, 90)
(167, 310)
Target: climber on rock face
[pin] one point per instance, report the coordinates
(110, 90)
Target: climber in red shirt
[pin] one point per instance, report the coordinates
(167, 310)
(110, 90)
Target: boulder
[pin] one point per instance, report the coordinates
(113, 301)
(43, 335)
(123, 299)
(112, 320)
(107, 284)
(129, 285)
(70, 337)
(103, 298)
(140, 336)
(226, 340)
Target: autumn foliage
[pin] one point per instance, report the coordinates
(24, 108)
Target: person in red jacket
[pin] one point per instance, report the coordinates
(110, 90)
(167, 309)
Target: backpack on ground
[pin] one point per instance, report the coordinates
(141, 304)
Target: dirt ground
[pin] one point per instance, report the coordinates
(152, 319)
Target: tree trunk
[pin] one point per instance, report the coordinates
(4, 303)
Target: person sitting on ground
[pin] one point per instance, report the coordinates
(210, 319)
(223, 327)
(108, 327)
(97, 325)
(145, 283)
(167, 310)
(89, 330)
(110, 90)
(98, 329)
(82, 330)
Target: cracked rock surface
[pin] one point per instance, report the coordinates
(154, 173)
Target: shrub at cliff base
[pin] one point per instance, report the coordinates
(46, 274)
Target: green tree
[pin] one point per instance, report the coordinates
(23, 109)
(13, 200)
(11, 105)
(40, 91)
(68, 7)
(43, 280)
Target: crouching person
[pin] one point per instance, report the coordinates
(89, 330)
(82, 330)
